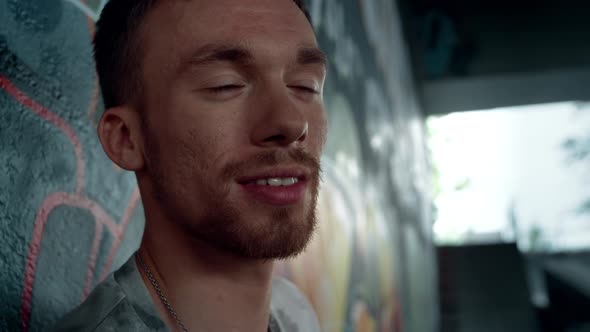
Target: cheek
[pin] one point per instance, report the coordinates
(190, 136)
(202, 132)
(183, 148)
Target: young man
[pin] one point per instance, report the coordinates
(217, 107)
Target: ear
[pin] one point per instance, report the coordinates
(120, 134)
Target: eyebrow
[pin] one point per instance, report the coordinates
(240, 55)
(221, 53)
(312, 55)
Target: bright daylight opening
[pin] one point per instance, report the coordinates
(513, 174)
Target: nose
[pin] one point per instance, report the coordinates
(280, 122)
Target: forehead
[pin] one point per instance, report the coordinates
(174, 28)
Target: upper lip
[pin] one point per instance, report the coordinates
(276, 172)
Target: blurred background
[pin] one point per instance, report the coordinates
(454, 194)
(505, 88)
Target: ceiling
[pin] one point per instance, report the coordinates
(498, 50)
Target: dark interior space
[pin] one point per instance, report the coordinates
(490, 288)
(519, 53)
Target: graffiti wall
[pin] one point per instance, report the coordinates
(372, 265)
(68, 216)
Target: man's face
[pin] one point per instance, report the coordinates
(234, 122)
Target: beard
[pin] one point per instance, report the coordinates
(283, 235)
(237, 227)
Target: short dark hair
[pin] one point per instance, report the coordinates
(117, 49)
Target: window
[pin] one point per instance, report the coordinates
(513, 174)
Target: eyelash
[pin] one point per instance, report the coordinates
(231, 87)
(225, 88)
(304, 89)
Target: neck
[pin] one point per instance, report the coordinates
(210, 289)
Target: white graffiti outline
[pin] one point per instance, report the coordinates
(93, 14)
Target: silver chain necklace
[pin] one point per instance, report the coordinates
(165, 300)
(160, 293)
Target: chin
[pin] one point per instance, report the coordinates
(284, 234)
(252, 230)
(278, 233)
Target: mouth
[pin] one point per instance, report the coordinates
(276, 187)
(274, 181)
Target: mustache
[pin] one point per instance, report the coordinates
(295, 156)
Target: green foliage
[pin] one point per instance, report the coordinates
(578, 151)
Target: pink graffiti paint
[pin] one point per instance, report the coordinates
(92, 259)
(125, 220)
(55, 120)
(50, 203)
(101, 218)
(93, 100)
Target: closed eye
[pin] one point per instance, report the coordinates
(224, 88)
(304, 88)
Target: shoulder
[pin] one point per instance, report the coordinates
(292, 308)
(105, 309)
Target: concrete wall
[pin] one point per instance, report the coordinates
(507, 90)
(68, 216)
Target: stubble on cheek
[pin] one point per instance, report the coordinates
(197, 196)
(197, 178)
(182, 174)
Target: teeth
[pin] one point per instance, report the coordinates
(288, 181)
(275, 182)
